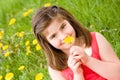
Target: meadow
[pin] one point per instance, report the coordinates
(21, 58)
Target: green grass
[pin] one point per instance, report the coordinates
(97, 15)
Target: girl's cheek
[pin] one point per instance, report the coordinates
(69, 30)
(55, 43)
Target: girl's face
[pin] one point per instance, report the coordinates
(57, 31)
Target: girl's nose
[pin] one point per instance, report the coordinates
(62, 36)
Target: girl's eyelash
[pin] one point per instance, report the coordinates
(63, 25)
(53, 36)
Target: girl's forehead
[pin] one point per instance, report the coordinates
(53, 26)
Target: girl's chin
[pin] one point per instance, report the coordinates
(67, 46)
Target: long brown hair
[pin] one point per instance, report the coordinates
(42, 18)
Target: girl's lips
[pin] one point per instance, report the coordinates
(68, 40)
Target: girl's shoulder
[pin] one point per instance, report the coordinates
(106, 51)
(98, 36)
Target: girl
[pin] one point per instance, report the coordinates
(88, 57)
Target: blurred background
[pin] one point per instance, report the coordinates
(21, 58)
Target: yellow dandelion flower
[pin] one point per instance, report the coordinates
(27, 42)
(34, 41)
(38, 47)
(21, 68)
(6, 54)
(27, 12)
(39, 76)
(68, 40)
(5, 47)
(1, 45)
(28, 48)
(12, 21)
(9, 76)
(20, 34)
(1, 77)
(30, 11)
(28, 53)
(1, 34)
(47, 5)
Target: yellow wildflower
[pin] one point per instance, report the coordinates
(39, 76)
(27, 12)
(20, 34)
(1, 77)
(6, 54)
(21, 68)
(68, 40)
(28, 52)
(38, 47)
(1, 45)
(5, 47)
(9, 76)
(34, 41)
(30, 11)
(28, 48)
(47, 5)
(12, 21)
(1, 34)
(27, 42)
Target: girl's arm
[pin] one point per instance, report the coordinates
(109, 66)
(55, 75)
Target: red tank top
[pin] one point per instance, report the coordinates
(88, 73)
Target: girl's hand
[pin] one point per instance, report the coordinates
(79, 54)
(76, 58)
(74, 64)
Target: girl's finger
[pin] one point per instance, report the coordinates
(77, 64)
(70, 59)
(76, 53)
(77, 58)
(72, 49)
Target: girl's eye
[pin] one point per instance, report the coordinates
(53, 36)
(62, 27)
